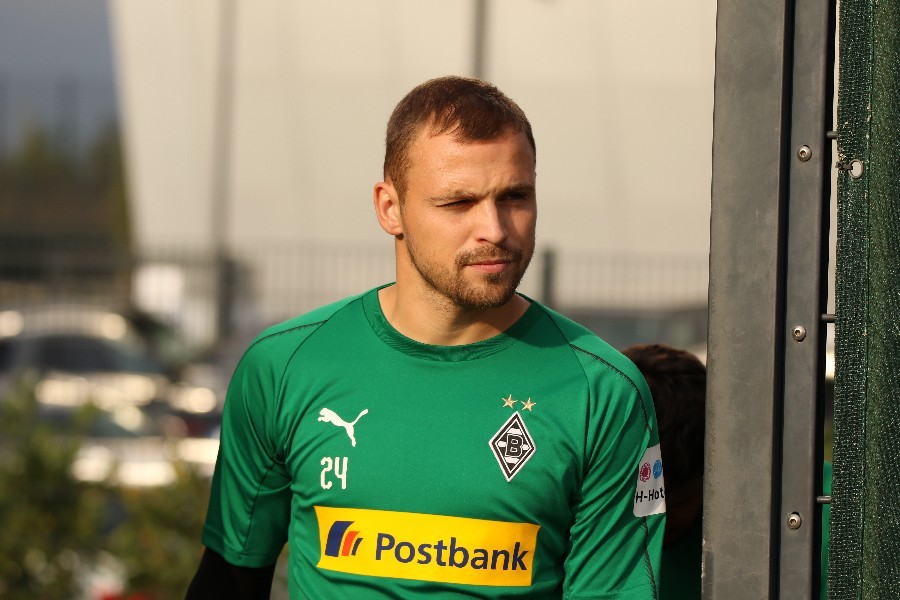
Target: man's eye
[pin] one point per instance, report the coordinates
(516, 196)
(462, 203)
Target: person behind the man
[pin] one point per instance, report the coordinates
(441, 434)
(677, 381)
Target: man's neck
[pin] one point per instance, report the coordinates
(430, 319)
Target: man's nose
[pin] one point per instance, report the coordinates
(490, 223)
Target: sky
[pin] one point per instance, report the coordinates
(56, 68)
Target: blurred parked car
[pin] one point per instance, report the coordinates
(77, 355)
(128, 447)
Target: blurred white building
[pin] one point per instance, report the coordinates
(270, 121)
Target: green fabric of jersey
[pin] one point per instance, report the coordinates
(337, 411)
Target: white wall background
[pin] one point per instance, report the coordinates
(619, 94)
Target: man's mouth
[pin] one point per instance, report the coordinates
(490, 266)
(490, 263)
(487, 255)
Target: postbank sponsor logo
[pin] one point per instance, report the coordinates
(426, 547)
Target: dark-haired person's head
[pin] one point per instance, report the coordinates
(677, 380)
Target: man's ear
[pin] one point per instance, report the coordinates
(387, 208)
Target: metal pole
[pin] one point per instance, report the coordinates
(767, 294)
(220, 188)
(480, 42)
(749, 189)
(4, 116)
(809, 157)
(548, 278)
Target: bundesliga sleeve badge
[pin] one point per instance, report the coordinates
(650, 492)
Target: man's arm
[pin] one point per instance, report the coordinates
(250, 490)
(217, 578)
(616, 536)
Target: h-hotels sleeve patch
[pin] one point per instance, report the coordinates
(650, 492)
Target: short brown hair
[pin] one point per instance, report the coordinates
(472, 109)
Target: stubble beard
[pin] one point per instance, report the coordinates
(492, 290)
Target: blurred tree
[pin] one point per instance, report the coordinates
(37, 167)
(105, 175)
(56, 529)
(51, 522)
(64, 216)
(159, 540)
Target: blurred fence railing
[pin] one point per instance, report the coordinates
(206, 296)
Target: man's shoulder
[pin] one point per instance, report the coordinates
(293, 332)
(591, 348)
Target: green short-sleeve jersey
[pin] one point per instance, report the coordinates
(526, 465)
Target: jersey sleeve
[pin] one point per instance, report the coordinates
(249, 508)
(616, 538)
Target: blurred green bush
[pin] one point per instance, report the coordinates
(59, 534)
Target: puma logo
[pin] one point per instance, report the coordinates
(329, 416)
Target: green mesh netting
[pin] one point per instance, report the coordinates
(864, 557)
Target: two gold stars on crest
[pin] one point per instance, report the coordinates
(509, 402)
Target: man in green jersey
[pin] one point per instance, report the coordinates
(442, 435)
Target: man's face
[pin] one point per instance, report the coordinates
(468, 217)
